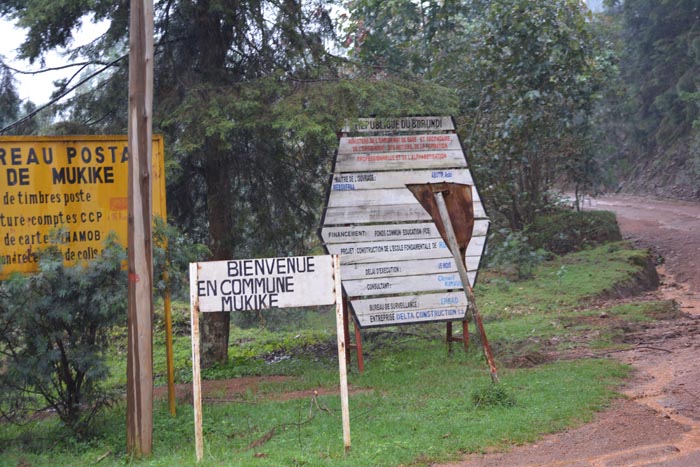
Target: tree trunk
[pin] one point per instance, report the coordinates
(215, 332)
(215, 327)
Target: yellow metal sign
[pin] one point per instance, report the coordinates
(75, 183)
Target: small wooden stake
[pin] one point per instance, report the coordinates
(342, 356)
(358, 349)
(358, 338)
(461, 268)
(196, 372)
(167, 308)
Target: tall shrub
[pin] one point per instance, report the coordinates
(53, 332)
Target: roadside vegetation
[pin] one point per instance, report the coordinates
(415, 404)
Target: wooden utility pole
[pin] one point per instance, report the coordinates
(139, 390)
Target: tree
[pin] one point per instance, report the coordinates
(53, 332)
(526, 73)
(9, 99)
(654, 116)
(250, 102)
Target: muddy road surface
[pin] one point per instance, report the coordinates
(658, 423)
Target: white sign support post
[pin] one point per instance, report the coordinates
(342, 354)
(239, 285)
(196, 370)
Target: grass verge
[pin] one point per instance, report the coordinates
(414, 405)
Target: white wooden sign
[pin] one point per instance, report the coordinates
(255, 284)
(404, 160)
(410, 143)
(413, 267)
(385, 213)
(374, 125)
(368, 233)
(397, 179)
(373, 252)
(258, 284)
(390, 250)
(374, 312)
(392, 196)
(402, 285)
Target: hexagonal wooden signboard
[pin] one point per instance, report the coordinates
(395, 267)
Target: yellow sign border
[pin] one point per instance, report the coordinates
(78, 183)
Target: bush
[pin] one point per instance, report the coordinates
(564, 232)
(514, 255)
(53, 333)
(173, 250)
(495, 395)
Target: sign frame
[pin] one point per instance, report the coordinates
(330, 279)
(367, 202)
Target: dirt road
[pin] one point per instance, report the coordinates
(658, 424)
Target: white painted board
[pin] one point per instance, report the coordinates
(379, 214)
(256, 284)
(405, 284)
(385, 311)
(412, 267)
(355, 181)
(398, 143)
(374, 125)
(405, 231)
(413, 212)
(363, 162)
(375, 252)
(374, 197)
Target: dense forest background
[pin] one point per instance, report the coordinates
(250, 96)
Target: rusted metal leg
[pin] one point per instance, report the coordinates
(346, 328)
(482, 335)
(358, 347)
(465, 334)
(448, 338)
(462, 270)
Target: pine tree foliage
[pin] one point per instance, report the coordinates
(53, 330)
(9, 99)
(249, 100)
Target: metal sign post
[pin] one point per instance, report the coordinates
(457, 244)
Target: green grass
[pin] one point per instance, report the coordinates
(414, 405)
(421, 409)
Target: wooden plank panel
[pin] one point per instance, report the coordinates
(413, 212)
(405, 231)
(405, 268)
(398, 143)
(377, 180)
(385, 311)
(400, 161)
(369, 214)
(405, 284)
(376, 125)
(375, 252)
(373, 197)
